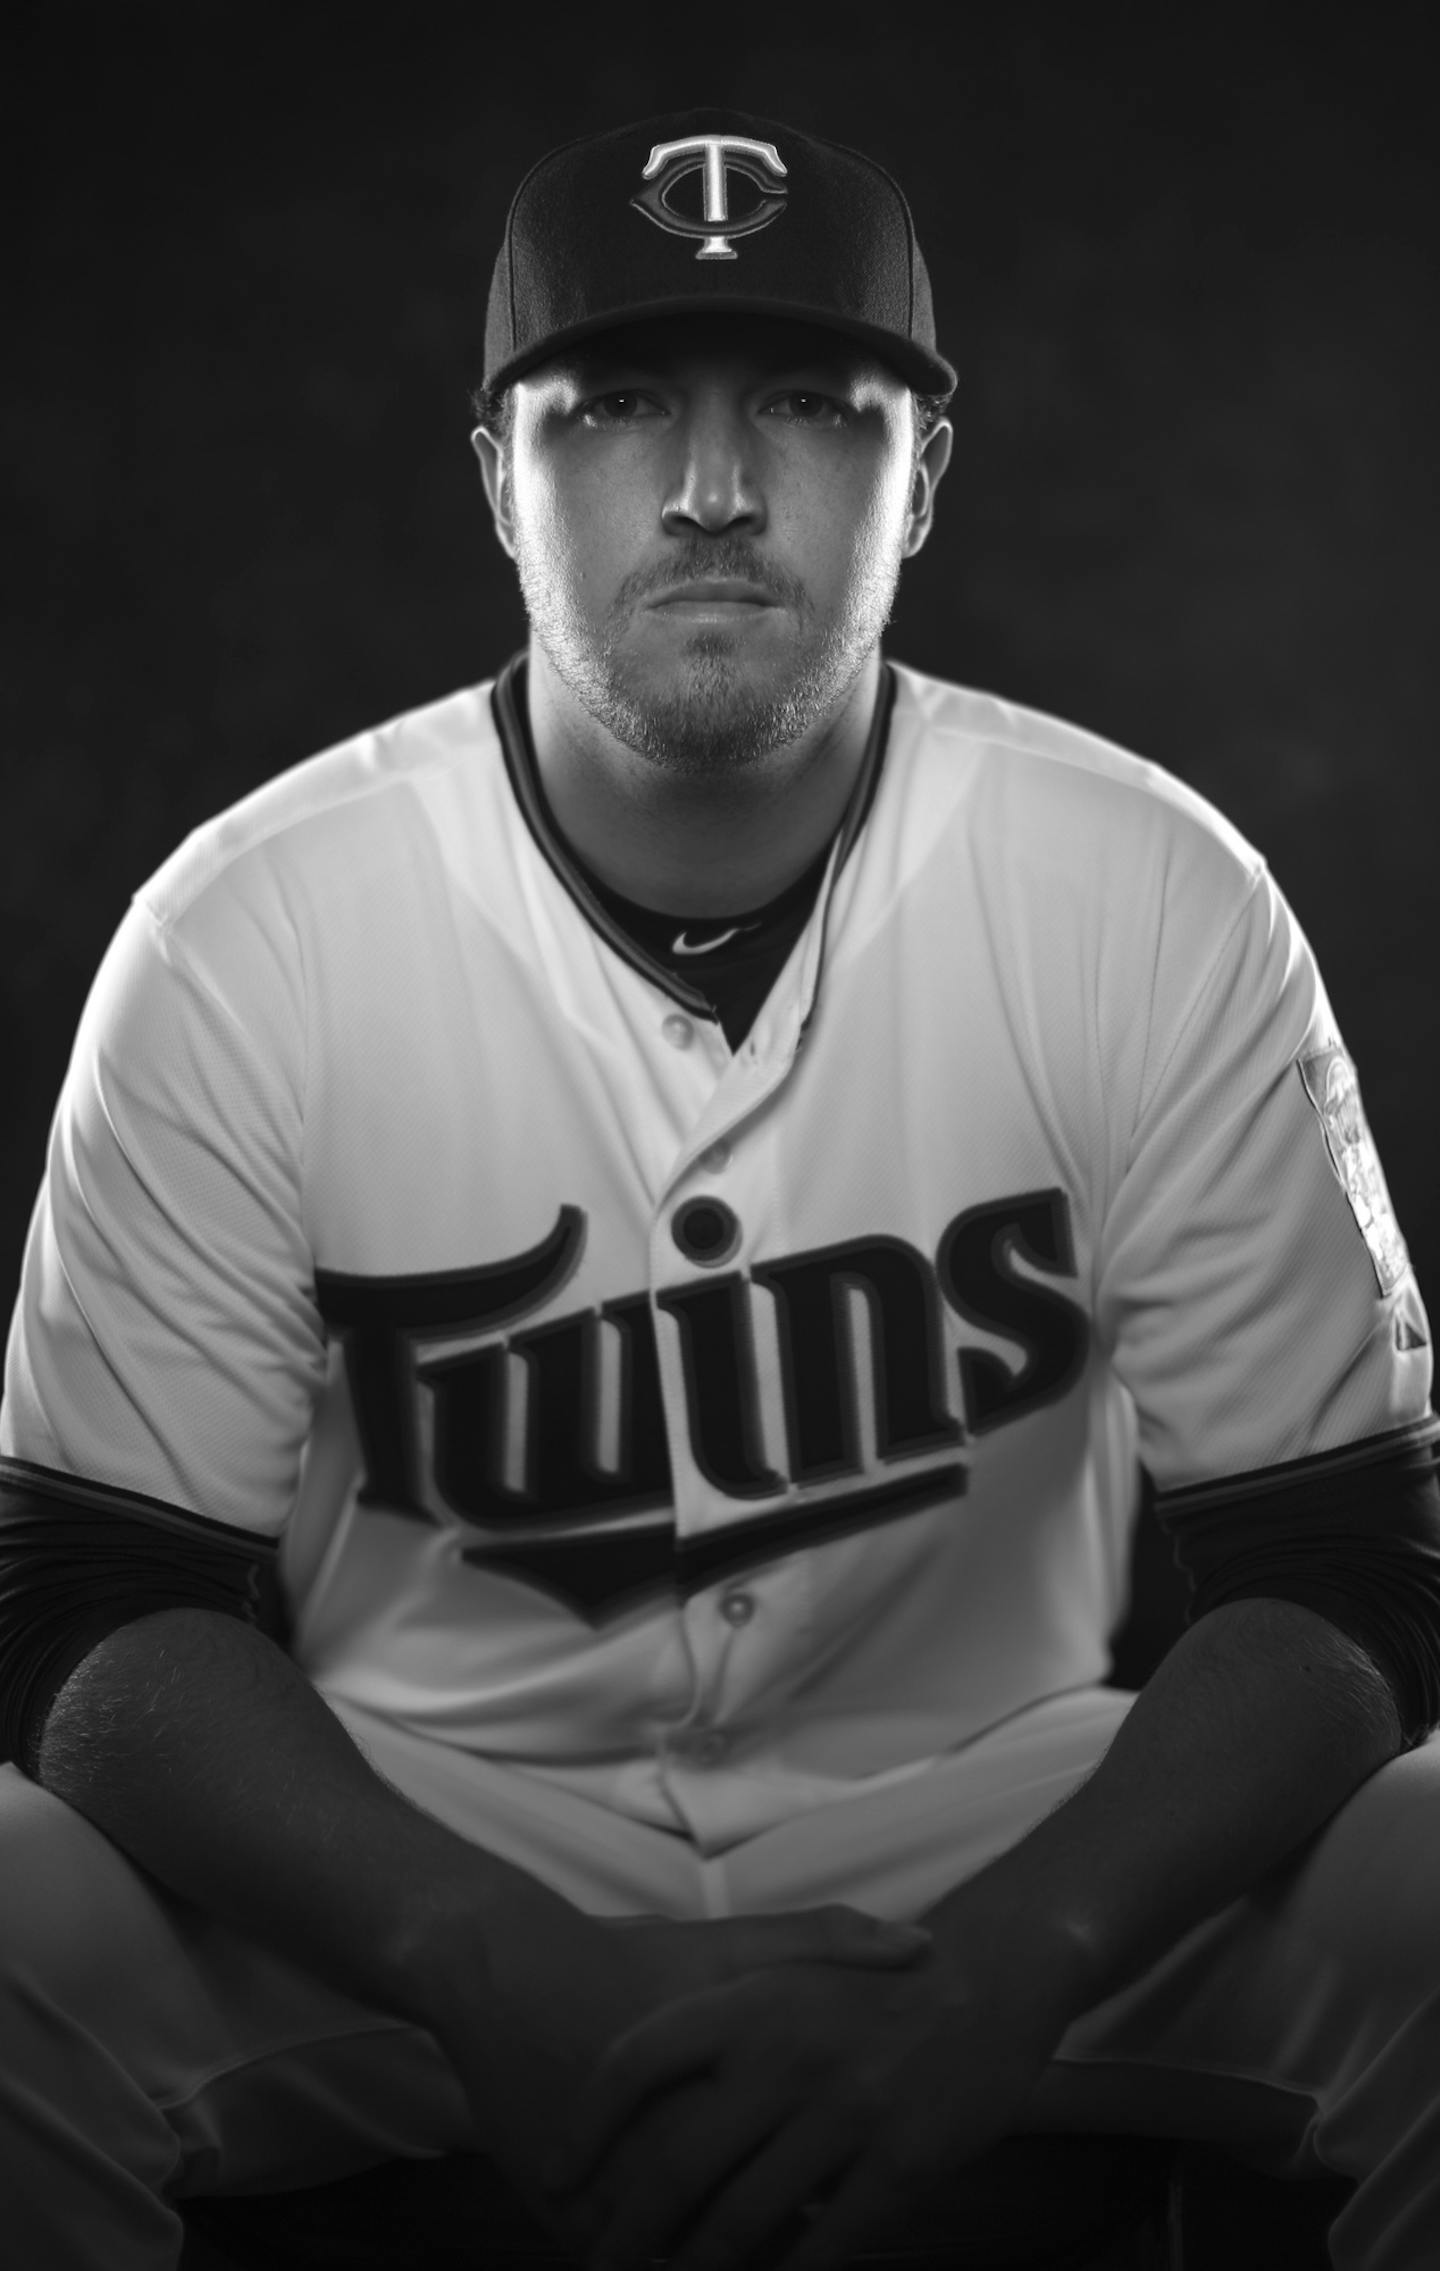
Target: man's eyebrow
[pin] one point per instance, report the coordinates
(584, 377)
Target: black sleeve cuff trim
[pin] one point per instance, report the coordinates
(22, 1478)
(1413, 1447)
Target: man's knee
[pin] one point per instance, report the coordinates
(75, 1915)
(1367, 1890)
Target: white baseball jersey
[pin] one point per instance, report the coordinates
(709, 1429)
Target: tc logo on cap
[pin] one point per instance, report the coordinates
(715, 157)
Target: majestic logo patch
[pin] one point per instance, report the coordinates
(714, 157)
(1333, 1089)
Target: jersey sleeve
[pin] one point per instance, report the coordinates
(166, 1341)
(1253, 1289)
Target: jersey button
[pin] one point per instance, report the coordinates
(678, 1031)
(738, 1608)
(706, 1231)
(716, 1158)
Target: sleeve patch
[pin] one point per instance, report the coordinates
(1333, 1089)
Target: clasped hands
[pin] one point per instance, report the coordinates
(793, 2114)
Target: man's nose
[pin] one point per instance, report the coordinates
(717, 481)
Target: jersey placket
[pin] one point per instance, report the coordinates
(704, 1234)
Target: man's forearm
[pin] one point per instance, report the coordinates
(1261, 1721)
(197, 1746)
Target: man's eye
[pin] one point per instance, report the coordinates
(624, 407)
(807, 408)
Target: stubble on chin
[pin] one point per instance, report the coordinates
(711, 715)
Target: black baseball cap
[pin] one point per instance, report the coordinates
(710, 211)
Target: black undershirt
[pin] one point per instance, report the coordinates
(726, 964)
(734, 960)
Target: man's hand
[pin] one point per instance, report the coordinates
(713, 2127)
(561, 1988)
(795, 2117)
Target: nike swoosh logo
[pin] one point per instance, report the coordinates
(682, 945)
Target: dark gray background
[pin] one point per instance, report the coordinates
(1187, 274)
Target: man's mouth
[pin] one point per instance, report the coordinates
(714, 595)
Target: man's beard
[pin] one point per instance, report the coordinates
(708, 719)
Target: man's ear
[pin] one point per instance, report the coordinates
(494, 460)
(930, 463)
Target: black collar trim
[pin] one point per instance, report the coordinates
(508, 705)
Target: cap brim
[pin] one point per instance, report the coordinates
(920, 367)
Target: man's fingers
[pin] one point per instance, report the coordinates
(673, 2175)
(671, 2045)
(859, 2209)
(897, 2166)
(765, 2207)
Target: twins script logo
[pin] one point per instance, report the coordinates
(714, 157)
(483, 1410)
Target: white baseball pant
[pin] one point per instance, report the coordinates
(151, 2053)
